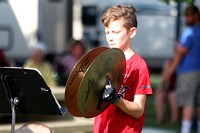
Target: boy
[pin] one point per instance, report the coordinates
(127, 111)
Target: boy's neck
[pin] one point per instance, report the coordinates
(128, 53)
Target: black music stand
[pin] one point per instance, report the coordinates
(24, 91)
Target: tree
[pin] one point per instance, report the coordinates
(3, 0)
(190, 2)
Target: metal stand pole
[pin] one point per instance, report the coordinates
(13, 103)
(13, 117)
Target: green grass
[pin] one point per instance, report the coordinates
(150, 117)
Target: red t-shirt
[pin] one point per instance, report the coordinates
(136, 82)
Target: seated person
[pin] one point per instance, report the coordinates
(37, 61)
(66, 63)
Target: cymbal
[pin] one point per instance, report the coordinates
(83, 88)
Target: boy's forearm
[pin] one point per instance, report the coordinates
(133, 109)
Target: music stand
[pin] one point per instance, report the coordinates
(24, 91)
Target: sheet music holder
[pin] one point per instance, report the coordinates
(24, 91)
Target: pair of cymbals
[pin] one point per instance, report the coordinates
(88, 78)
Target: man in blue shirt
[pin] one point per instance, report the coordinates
(187, 65)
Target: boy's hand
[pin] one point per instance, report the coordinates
(109, 93)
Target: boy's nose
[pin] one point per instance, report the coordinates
(111, 38)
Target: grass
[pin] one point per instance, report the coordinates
(150, 117)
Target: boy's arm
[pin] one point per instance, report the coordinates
(135, 108)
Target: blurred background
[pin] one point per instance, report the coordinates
(66, 29)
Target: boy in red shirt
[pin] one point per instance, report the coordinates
(127, 110)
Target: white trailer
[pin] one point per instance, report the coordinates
(156, 27)
(12, 40)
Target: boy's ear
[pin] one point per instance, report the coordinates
(132, 32)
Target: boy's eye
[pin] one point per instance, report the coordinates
(116, 32)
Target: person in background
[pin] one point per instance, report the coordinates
(3, 61)
(187, 65)
(37, 61)
(34, 128)
(67, 62)
(166, 91)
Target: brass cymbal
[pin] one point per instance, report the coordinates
(83, 89)
(110, 62)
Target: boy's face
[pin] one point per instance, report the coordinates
(117, 35)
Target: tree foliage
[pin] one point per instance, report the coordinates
(3, 0)
(190, 2)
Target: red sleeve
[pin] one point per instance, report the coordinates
(144, 83)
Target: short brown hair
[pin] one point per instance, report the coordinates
(191, 10)
(118, 12)
(76, 43)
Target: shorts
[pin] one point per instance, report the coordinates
(188, 89)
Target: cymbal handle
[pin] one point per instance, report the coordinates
(100, 101)
(109, 80)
